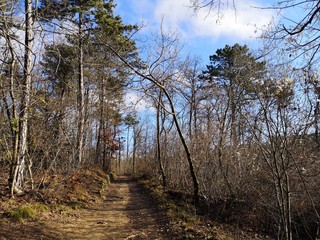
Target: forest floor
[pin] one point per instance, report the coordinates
(84, 205)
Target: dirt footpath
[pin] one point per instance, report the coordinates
(127, 213)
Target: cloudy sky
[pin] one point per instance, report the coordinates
(203, 33)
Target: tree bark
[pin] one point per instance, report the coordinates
(12, 116)
(13, 120)
(20, 168)
(135, 136)
(194, 176)
(159, 156)
(81, 93)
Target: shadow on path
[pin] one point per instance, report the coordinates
(126, 213)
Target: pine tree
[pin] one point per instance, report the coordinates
(234, 69)
(97, 69)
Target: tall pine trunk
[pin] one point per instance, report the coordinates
(101, 128)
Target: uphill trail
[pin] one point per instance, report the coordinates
(126, 213)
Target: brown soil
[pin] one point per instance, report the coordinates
(82, 205)
(125, 213)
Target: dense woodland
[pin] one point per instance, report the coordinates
(240, 134)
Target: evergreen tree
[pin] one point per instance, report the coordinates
(234, 70)
(98, 71)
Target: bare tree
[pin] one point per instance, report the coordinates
(20, 168)
(81, 93)
(298, 36)
(212, 6)
(160, 72)
(160, 129)
(12, 114)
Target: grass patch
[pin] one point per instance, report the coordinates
(104, 187)
(22, 212)
(27, 211)
(112, 176)
(41, 208)
(182, 215)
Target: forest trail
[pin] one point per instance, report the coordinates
(126, 213)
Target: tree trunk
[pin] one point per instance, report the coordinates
(163, 175)
(119, 156)
(134, 149)
(20, 168)
(232, 101)
(316, 119)
(81, 97)
(194, 176)
(14, 124)
(12, 117)
(128, 134)
(101, 130)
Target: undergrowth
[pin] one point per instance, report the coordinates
(63, 194)
(184, 222)
(27, 211)
(190, 222)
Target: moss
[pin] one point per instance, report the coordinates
(15, 215)
(192, 218)
(112, 176)
(41, 207)
(104, 187)
(22, 212)
(172, 206)
(182, 215)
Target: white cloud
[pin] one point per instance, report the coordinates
(243, 23)
(175, 12)
(240, 23)
(135, 101)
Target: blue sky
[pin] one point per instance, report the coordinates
(202, 33)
